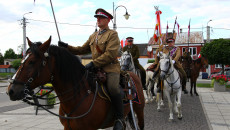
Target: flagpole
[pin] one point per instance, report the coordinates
(174, 27)
(189, 32)
(55, 20)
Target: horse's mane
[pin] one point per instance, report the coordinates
(68, 65)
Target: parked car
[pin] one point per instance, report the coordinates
(226, 72)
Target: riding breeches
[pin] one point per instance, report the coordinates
(112, 82)
(143, 75)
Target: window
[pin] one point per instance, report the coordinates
(218, 66)
(192, 51)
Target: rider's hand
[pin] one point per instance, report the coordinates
(62, 44)
(89, 66)
(173, 61)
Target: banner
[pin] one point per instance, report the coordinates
(157, 32)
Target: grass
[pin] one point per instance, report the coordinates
(207, 85)
(4, 75)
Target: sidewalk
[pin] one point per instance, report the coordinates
(217, 108)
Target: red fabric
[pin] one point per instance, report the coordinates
(189, 29)
(123, 43)
(199, 56)
(156, 33)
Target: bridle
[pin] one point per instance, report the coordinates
(129, 61)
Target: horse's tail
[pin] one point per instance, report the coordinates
(130, 119)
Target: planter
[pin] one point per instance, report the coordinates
(218, 87)
(43, 102)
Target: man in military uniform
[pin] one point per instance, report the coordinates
(175, 54)
(186, 62)
(104, 45)
(134, 50)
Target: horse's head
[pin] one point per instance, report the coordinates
(165, 64)
(204, 62)
(126, 61)
(33, 71)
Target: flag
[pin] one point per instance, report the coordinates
(199, 56)
(167, 30)
(123, 42)
(156, 33)
(189, 28)
(178, 28)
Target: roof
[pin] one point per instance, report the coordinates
(195, 37)
(5, 66)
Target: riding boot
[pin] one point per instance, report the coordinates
(184, 87)
(117, 104)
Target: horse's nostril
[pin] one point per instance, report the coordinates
(11, 92)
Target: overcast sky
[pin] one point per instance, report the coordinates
(76, 21)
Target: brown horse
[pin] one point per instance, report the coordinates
(81, 107)
(195, 66)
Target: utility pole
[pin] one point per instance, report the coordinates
(24, 33)
(208, 41)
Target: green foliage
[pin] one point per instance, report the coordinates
(217, 52)
(151, 61)
(50, 97)
(10, 54)
(221, 79)
(5, 75)
(204, 85)
(16, 63)
(1, 59)
(212, 82)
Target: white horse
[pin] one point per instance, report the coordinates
(127, 64)
(151, 84)
(172, 85)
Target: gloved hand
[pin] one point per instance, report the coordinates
(62, 44)
(89, 66)
(173, 61)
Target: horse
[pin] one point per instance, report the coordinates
(81, 105)
(127, 64)
(195, 68)
(172, 85)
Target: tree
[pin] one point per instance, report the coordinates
(1, 59)
(16, 63)
(217, 52)
(10, 54)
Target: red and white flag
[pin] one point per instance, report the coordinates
(123, 42)
(157, 32)
(167, 30)
(199, 56)
(178, 28)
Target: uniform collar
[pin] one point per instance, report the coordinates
(102, 31)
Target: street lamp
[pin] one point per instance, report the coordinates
(24, 33)
(126, 15)
(208, 31)
(208, 40)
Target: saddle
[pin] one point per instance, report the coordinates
(123, 84)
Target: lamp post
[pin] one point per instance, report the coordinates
(208, 31)
(126, 15)
(24, 33)
(208, 40)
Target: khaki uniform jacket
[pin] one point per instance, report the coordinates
(108, 43)
(134, 50)
(175, 57)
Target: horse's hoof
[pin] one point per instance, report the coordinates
(170, 120)
(197, 94)
(180, 118)
(158, 110)
(146, 101)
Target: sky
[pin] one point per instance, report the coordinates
(76, 20)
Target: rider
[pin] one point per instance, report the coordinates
(104, 45)
(134, 50)
(175, 54)
(187, 57)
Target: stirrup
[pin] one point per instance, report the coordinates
(119, 125)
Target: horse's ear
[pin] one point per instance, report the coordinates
(29, 42)
(45, 45)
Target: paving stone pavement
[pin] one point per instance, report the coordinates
(210, 110)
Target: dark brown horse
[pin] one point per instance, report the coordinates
(192, 70)
(81, 107)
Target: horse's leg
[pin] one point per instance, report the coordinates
(191, 84)
(195, 92)
(140, 116)
(179, 104)
(174, 97)
(148, 89)
(170, 105)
